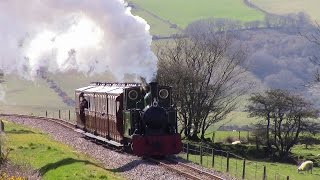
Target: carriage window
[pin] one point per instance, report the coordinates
(77, 101)
(99, 102)
(88, 99)
(113, 105)
(118, 106)
(105, 104)
(109, 105)
(91, 106)
(97, 99)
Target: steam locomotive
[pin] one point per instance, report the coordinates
(133, 115)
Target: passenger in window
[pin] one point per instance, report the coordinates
(83, 105)
(119, 114)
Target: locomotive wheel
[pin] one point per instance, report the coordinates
(128, 148)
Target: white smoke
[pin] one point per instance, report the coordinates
(83, 35)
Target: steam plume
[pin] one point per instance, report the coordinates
(83, 35)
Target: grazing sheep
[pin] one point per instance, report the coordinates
(236, 142)
(306, 166)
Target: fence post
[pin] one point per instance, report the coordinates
(201, 154)
(213, 136)
(228, 161)
(69, 115)
(244, 169)
(288, 178)
(212, 157)
(188, 151)
(0, 150)
(46, 113)
(1, 130)
(239, 135)
(264, 172)
(59, 114)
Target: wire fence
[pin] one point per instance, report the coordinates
(68, 115)
(225, 161)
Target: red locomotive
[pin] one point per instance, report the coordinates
(129, 114)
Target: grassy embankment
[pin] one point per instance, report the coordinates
(33, 148)
(311, 7)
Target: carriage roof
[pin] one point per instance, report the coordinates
(110, 88)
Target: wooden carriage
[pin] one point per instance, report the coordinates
(104, 116)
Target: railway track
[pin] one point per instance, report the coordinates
(180, 168)
(185, 169)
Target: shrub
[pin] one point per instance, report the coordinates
(4, 152)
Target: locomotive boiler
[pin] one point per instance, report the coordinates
(133, 115)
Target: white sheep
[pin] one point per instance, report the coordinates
(236, 142)
(306, 166)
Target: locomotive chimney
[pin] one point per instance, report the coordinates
(154, 90)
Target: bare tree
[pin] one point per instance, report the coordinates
(205, 71)
(286, 115)
(312, 34)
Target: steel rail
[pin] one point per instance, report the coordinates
(185, 170)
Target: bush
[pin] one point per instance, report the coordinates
(3, 151)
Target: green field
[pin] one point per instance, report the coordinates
(235, 118)
(254, 169)
(35, 97)
(28, 97)
(30, 147)
(184, 12)
(157, 27)
(221, 136)
(311, 7)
